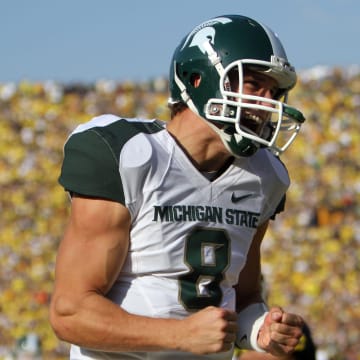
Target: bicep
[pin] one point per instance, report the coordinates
(94, 247)
(248, 288)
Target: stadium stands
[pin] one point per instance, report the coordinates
(310, 254)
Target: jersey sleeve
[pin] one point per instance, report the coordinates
(90, 167)
(280, 208)
(275, 183)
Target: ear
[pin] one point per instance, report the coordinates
(195, 80)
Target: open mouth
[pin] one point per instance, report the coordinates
(252, 123)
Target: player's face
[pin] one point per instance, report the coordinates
(256, 84)
(259, 84)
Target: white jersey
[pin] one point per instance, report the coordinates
(189, 236)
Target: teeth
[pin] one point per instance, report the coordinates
(254, 118)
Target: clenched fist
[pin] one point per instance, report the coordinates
(210, 330)
(280, 332)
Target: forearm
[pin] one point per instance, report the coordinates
(95, 322)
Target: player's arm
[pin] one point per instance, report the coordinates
(249, 289)
(254, 355)
(274, 330)
(89, 260)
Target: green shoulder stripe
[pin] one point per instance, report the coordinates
(91, 158)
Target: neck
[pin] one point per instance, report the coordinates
(200, 143)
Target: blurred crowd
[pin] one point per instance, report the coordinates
(310, 254)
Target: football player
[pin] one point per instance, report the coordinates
(161, 255)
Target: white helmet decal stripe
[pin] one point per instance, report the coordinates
(275, 42)
(204, 31)
(204, 36)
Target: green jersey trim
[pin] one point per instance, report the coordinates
(91, 158)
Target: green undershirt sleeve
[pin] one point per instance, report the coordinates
(91, 168)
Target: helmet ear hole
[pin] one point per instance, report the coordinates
(195, 80)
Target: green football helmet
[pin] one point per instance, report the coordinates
(214, 51)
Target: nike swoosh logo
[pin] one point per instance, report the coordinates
(235, 199)
(244, 337)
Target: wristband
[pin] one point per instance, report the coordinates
(249, 322)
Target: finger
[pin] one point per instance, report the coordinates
(286, 330)
(282, 343)
(276, 316)
(292, 319)
(231, 316)
(227, 346)
(280, 350)
(230, 338)
(231, 328)
(287, 337)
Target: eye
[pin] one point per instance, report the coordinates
(251, 85)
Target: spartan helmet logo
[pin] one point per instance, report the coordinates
(204, 33)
